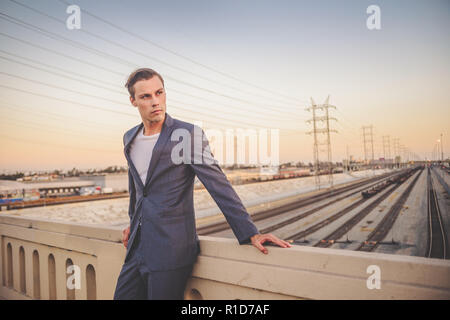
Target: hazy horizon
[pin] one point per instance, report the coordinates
(228, 64)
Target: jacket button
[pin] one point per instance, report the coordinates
(145, 194)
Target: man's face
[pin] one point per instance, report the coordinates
(150, 99)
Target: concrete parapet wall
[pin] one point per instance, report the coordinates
(35, 254)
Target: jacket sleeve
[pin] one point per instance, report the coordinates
(132, 192)
(217, 184)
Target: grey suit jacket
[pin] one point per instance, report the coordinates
(164, 204)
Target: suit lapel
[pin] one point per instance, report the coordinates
(132, 134)
(159, 146)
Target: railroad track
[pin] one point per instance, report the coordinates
(334, 236)
(437, 237)
(318, 208)
(382, 229)
(438, 172)
(42, 202)
(223, 225)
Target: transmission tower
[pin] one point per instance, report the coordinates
(402, 152)
(396, 142)
(368, 138)
(326, 130)
(386, 147)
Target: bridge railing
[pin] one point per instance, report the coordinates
(42, 259)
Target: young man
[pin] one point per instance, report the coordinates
(161, 241)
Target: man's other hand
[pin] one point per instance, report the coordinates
(125, 235)
(259, 239)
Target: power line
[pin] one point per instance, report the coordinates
(121, 60)
(39, 126)
(54, 115)
(350, 125)
(173, 52)
(68, 101)
(143, 54)
(56, 73)
(59, 145)
(350, 139)
(85, 124)
(233, 121)
(63, 117)
(62, 88)
(112, 90)
(46, 115)
(105, 69)
(62, 54)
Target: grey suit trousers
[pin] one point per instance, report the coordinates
(137, 282)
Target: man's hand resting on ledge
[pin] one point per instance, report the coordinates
(125, 235)
(259, 239)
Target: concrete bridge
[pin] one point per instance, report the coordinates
(37, 253)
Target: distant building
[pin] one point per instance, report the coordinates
(17, 191)
(117, 181)
(269, 170)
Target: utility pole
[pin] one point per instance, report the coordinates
(442, 151)
(368, 138)
(402, 150)
(433, 153)
(349, 168)
(326, 106)
(365, 145)
(326, 130)
(437, 152)
(313, 108)
(368, 131)
(386, 148)
(396, 142)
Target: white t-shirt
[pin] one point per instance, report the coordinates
(141, 152)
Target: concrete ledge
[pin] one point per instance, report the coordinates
(36, 252)
(318, 273)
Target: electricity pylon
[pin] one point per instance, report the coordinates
(326, 130)
(368, 138)
(396, 142)
(386, 147)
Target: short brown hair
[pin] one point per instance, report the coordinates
(140, 74)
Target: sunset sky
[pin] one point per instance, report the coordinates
(226, 64)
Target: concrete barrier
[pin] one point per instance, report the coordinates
(42, 259)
